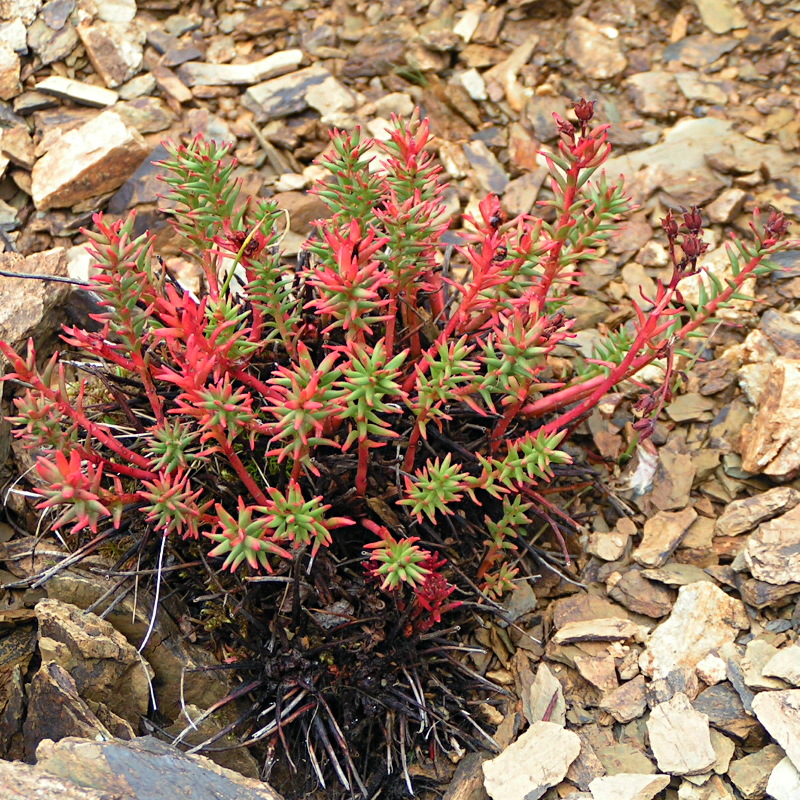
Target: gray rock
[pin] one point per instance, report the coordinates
(142, 769)
(486, 169)
(51, 45)
(283, 96)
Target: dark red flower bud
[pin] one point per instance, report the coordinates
(644, 427)
(565, 127)
(693, 247)
(693, 220)
(670, 225)
(777, 224)
(584, 110)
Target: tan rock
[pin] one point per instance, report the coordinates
(713, 789)
(115, 50)
(743, 515)
(194, 73)
(772, 553)
(84, 93)
(547, 697)
(95, 158)
(751, 773)
(680, 737)
(785, 664)
(599, 630)
(662, 534)
(627, 702)
(527, 768)
(594, 49)
(779, 713)
(30, 307)
(784, 782)
(625, 786)
(105, 667)
(770, 444)
(10, 85)
(702, 621)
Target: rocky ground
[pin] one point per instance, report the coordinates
(668, 665)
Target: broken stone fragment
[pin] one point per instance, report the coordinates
(680, 737)
(87, 161)
(283, 96)
(772, 553)
(10, 85)
(27, 308)
(16, 145)
(702, 621)
(115, 50)
(627, 786)
(784, 782)
(599, 630)
(527, 768)
(750, 774)
(779, 713)
(594, 49)
(662, 534)
(785, 664)
(743, 515)
(194, 73)
(106, 669)
(770, 444)
(86, 94)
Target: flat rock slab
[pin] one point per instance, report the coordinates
(662, 534)
(785, 664)
(86, 94)
(87, 161)
(527, 768)
(741, 516)
(680, 737)
(772, 553)
(283, 96)
(704, 619)
(608, 629)
(626, 786)
(784, 781)
(105, 667)
(779, 713)
(771, 442)
(30, 307)
(142, 769)
(194, 73)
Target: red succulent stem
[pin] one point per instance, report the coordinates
(363, 466)
(590, 392)
(240, 469)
